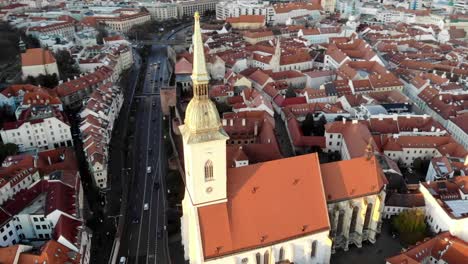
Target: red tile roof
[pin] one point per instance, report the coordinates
(51, 252)
(443, 247)
(37, 56)
(246, 19)
(224, 227)
(348, 179)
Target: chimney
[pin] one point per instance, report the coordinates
(354, 121)
(224, 122)
(256, 129)
(48, 158)
(466, 161)
(231, 121)
(243, 121)
(344, 121)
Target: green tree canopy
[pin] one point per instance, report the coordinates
(6, 150)
(411, 225)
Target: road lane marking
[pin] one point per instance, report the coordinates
(144, 188)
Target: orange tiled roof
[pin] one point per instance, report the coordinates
(37, 56)
(347, 179)
(246, 221)
(444, 247)
(246, 19)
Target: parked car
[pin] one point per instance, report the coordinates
(146, 207)
(148, 169)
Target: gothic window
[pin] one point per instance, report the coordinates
(258, 258)
(313, 251)
(281, 254)
(266, 258)
(368, 216)
(339, 227)
(352, 227)
(208, 170)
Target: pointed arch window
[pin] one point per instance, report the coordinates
(281, 254)
(266, 258)
(367, 220)
(354, 216)
(313, 251)
(258, 257)
(209, 170)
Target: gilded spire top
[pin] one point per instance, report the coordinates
(202, 122)
(199, 73)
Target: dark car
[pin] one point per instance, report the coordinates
(135, 220)
(150, 150)
(156, 185)
(159, 234)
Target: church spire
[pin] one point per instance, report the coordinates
(200, 76)
(202, 122)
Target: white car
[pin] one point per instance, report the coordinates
(148, 169)
(122, 260)
(146, 207)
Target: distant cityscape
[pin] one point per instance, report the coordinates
(234, 131)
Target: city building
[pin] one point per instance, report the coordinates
(447, 205)
(441, 249)
(161, 11)
(187, 8)
(35, 62)
(40, 127)
(218, 198)
(399, 202)
(58, 28)
(98, 116)
(227, 9)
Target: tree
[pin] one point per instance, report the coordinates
(6, 150)
(421, 165)
(102, 33)
(66, 65)
(49, 80)
(410, 225)
(308, 125)
(319, 129)
(6, 114)
(290, 92)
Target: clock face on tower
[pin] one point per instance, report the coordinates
(209, 189)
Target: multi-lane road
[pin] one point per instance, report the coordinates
(144, 238)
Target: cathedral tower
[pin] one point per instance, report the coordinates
(203, 135)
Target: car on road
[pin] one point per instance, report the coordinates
(154, 119)
(154, 103)
(150, 151)
(159, 234)
(123, 260)
(136, 220)
(146, 207)
(148, 169)
(156, 185)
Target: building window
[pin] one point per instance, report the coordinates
(313, 251)
(258, 258)
(368, 216)
(38, 227)
(266, 258)
(209, 170)
(281, 254)
(354, 216)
